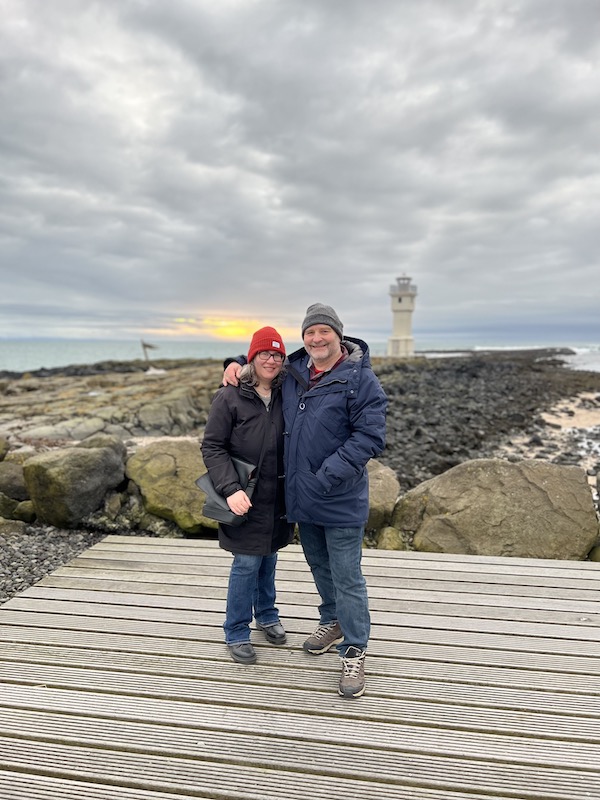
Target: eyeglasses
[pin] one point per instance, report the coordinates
(264, 355)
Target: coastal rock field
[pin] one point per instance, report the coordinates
(443, 411)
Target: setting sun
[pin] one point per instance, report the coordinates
(231, 329)
(219, 328)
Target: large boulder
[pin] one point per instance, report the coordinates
(67, 484)
(383, 494)
(530, 509)
(165, 473)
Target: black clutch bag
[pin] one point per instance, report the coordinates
(216, 506)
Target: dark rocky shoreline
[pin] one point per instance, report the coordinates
(443, 411)
(451, 410)
(102, 367)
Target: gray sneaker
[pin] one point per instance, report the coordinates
(324, 638)
(352, 682)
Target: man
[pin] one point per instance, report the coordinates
(334, 412)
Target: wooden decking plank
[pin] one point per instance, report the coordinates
(24, 786)
(272, 659)
(289, 691)
(376, 561)
(165, 589)
(532, 597)
(17, 786)
(386, 562)
(104, 599)
(422, 628)
(556, 612)
(294, 552)
(476, 563)
(164, 774)
(209, 768)
(481, 682)
(196, 577)
(451, 609)
(292, 701)
(398, 739)
(157, 612)
(177, 586)
(409, 588)
(434, 653)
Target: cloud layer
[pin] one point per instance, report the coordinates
(169, 167)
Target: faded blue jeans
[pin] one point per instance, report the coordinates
(334, 557)
(251, 593)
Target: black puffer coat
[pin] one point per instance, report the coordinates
(236, 425)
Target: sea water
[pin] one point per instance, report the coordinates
(24, 355)
(585, 358)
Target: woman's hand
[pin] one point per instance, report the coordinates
(239, 503)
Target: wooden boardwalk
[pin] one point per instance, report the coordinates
(482, 683)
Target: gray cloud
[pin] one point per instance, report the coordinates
(196, 160)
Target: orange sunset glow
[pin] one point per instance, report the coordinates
(219, 328)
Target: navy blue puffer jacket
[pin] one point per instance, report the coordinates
(331, 431)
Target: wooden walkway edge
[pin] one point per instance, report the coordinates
(482, 682)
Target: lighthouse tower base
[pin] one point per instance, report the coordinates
(401, 347)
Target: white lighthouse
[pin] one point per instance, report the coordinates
(403, 295)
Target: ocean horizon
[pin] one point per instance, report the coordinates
(28, 355)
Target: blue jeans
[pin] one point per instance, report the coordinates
(251, 593)
(334, 556)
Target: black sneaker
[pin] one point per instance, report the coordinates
(352, 682)
(242, 652)
(274, 634)
(324, 638)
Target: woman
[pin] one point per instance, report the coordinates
(239, 420)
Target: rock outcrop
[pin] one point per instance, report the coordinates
(494, 507)
(67, 484)
(165, 473)
(384, 489)
(62, 408)
(72, 452)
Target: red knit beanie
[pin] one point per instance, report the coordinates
(265, 339)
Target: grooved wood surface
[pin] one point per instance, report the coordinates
(482, 682)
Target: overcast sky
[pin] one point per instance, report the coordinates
(203, 167)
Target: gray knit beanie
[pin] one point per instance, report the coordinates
(319, 314)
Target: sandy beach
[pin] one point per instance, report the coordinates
(581, 412)
(572, 426)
